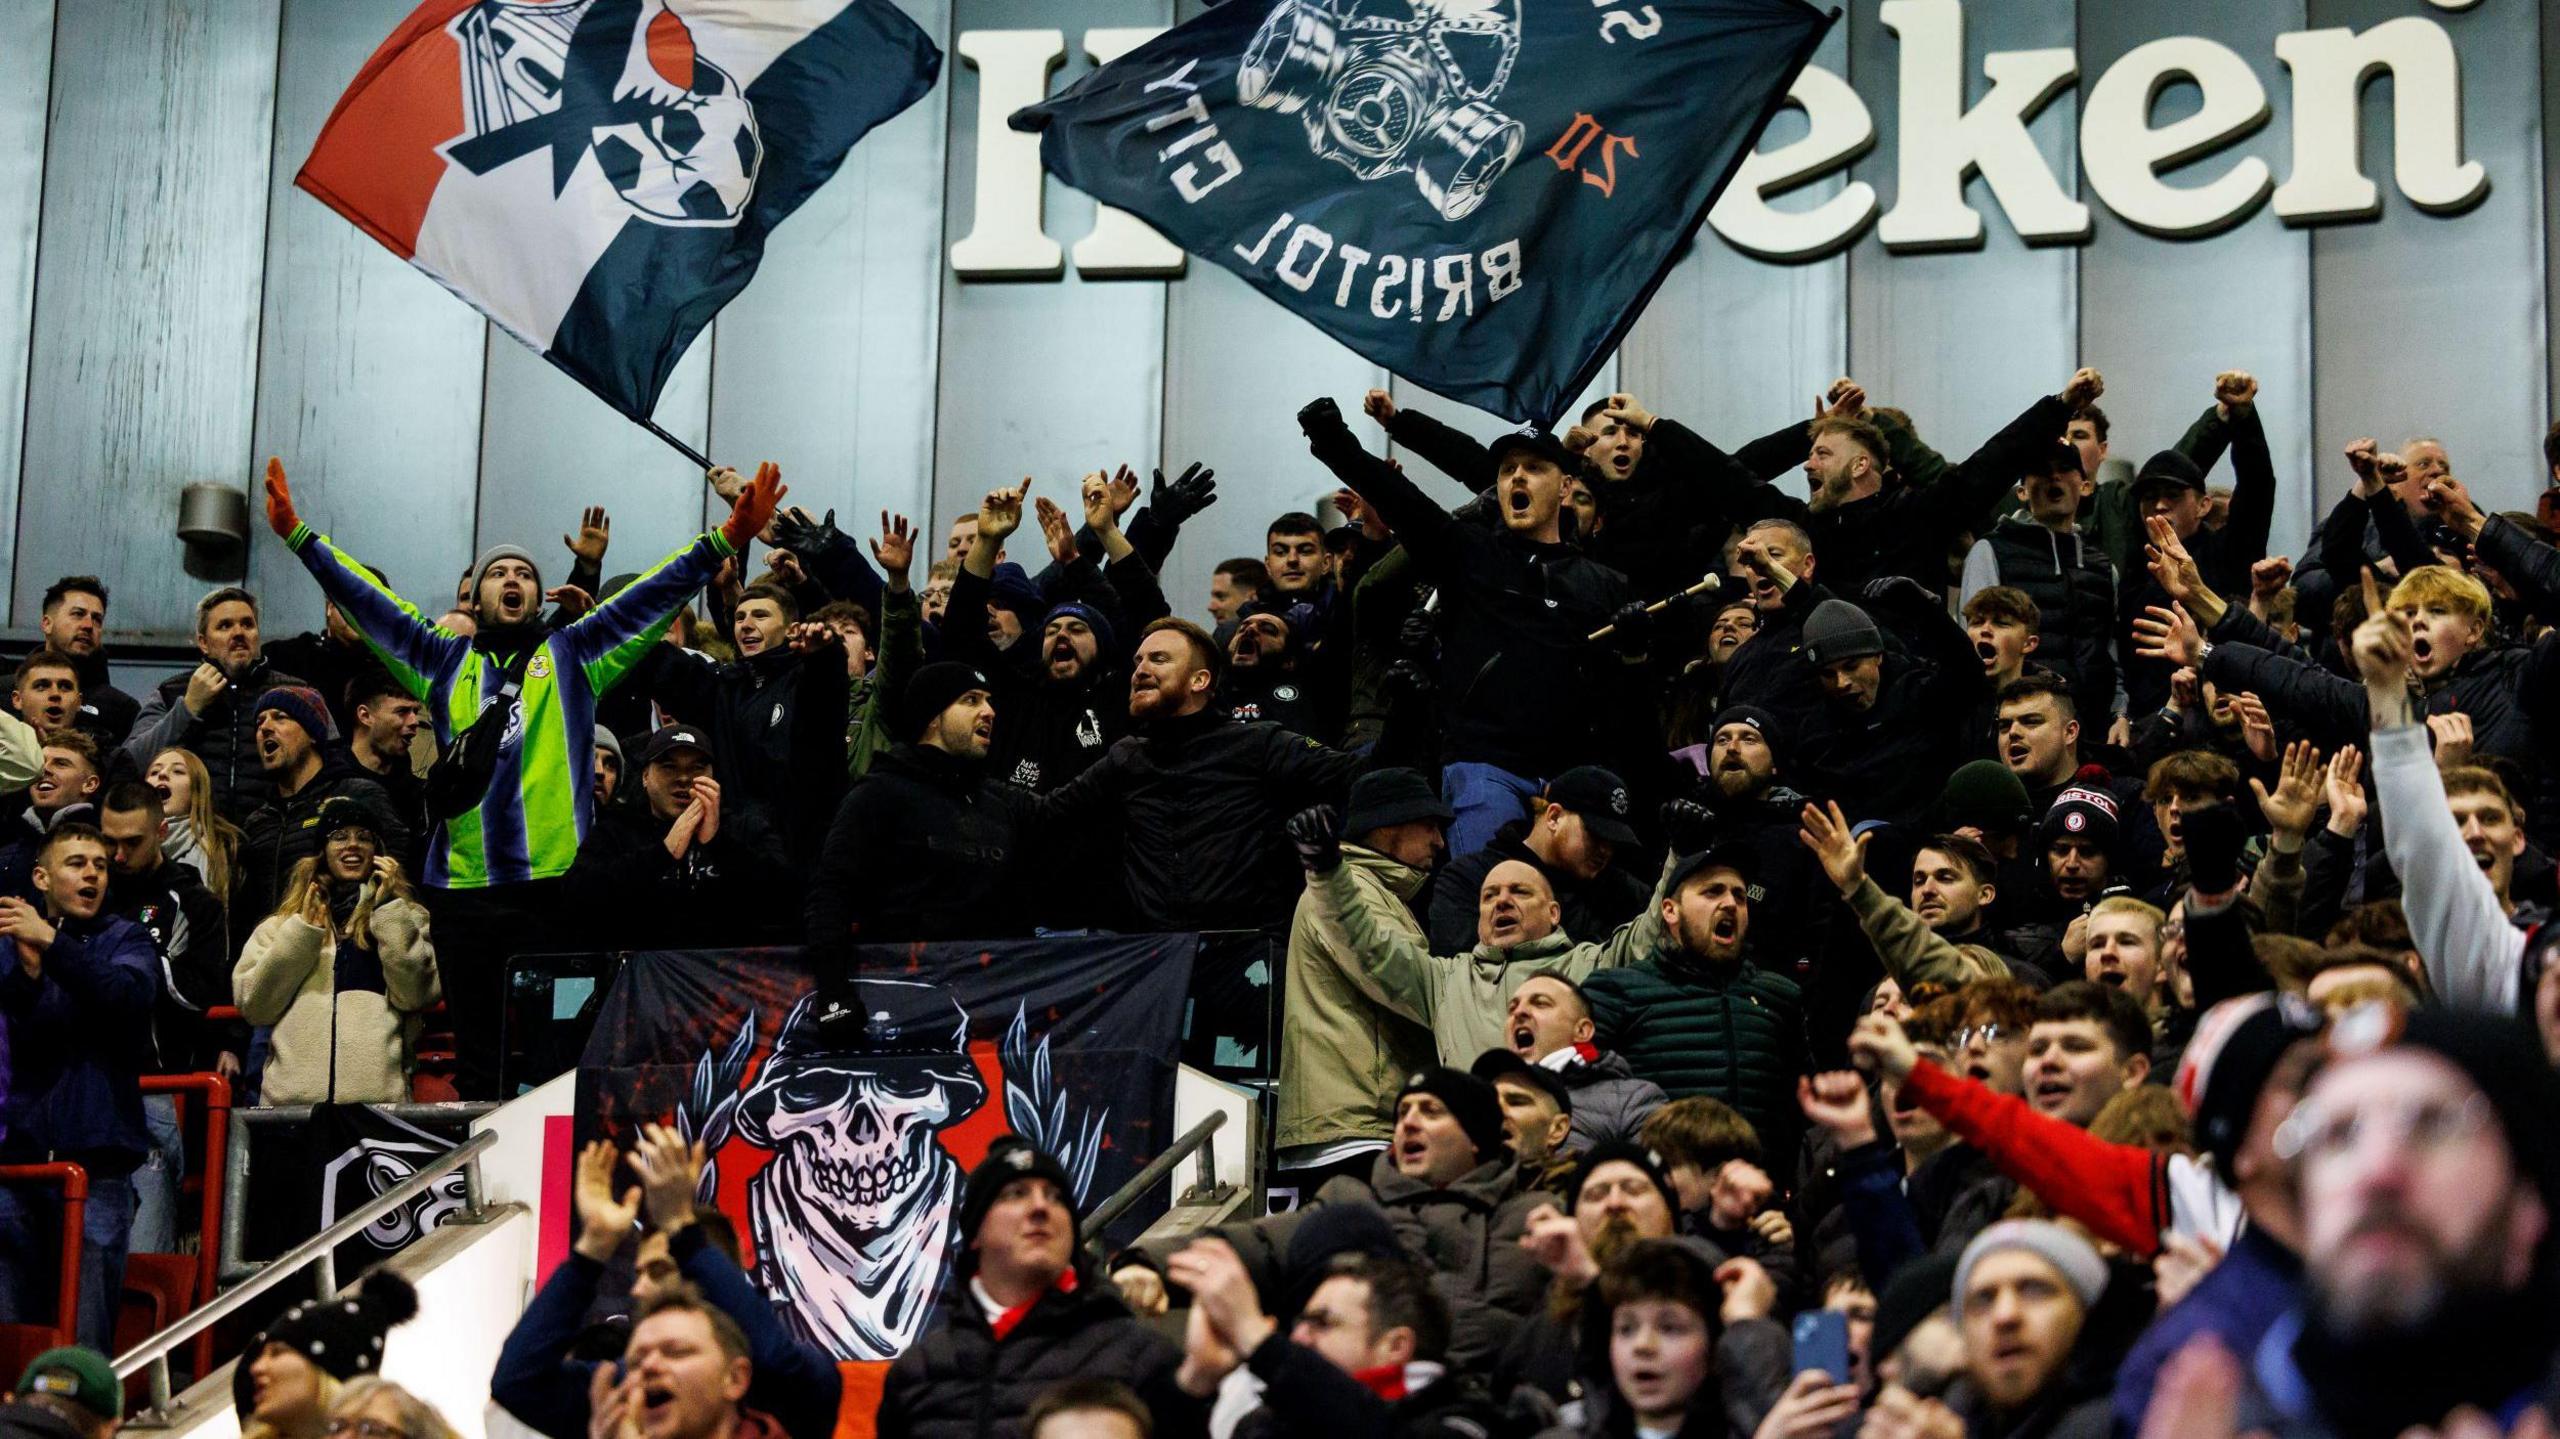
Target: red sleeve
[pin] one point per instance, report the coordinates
(2115, 1189)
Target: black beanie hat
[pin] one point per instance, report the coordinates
(1471, 1101)
(2236, 1047)
(1622, 1151)
(2499, 1056)
(1010, 1158)
(1838, 630)
(1328, 1232)
(342, 1337)
(934, 689)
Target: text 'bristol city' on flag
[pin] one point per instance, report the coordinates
(598, 176)
(1478, 194)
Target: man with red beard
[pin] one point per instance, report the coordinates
(1199, 796)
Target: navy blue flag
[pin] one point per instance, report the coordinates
(598, 176)
(1478, 194)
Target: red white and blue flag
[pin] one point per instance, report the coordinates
(598, 176)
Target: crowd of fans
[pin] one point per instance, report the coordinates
(1948, 948)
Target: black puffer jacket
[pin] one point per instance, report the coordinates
(1198, 803)
(2074, 586)
(1735, 1032)
(225, 736)
(1519, 680)
(924, 847)
(962, 1382)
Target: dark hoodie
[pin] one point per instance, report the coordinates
(925, 846)
(285, 831)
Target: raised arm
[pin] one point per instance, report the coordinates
(1453, 452)
(412, 649)
(1393, 965)
(610, 639)
(1417, 519)
(2253, 476)
(1972, 489)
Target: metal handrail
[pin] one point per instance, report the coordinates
(317, 1250)
(231, 1267)
(1196, 1137)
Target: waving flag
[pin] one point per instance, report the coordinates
(1478, 194)
(598, 176)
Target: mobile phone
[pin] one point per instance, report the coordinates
(1822, 1342)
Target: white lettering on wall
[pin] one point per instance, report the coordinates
(1122, 245)
(1942, 141)
(2330, 68)
(2122, 154)
(1005, 238)
(1838, 130)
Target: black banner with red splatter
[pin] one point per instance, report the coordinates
(842, 1121)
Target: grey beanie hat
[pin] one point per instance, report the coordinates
(609, 742)
(1838, 630)
(495, 553)
(2071, 1256)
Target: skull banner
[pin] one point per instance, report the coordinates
(841, 1122)
(1478, 194)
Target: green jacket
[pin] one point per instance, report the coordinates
(875, 697)
(1462, 997)
(1733, 1032)
(1344, 1053)
(1912, 952)
(541, 796)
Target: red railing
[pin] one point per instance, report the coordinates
(215, 1092)
(75, 1209)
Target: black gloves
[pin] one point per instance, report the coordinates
(1900, 590)
(1631, 630)
(1320, 418)
(1180, 499)
(793, 530)
(1316, 833)
(2213, 837)
(1418, 634)
(1689, 825)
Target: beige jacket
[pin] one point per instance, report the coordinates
(354, 1046)
(1344, 1053)
(1912, 952)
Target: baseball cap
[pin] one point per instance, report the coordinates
(673, 737)
(82, 1376)
(1537, 442)
(1598, 796)
(1496, 1064)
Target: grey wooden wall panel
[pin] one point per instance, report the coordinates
(144, 366)
(26, 58)
(369, 373)
(1048, 378)
(1733, 346)
(1963, 340)
(826, 364)
(2161, 317)
(2550, 48)
(549, 448)
(2424, 323)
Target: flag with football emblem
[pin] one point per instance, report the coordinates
(598, 176)
(1478, 194)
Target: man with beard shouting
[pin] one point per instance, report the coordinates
(492, 871)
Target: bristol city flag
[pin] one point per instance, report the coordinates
(1479, 195)
(598, 176)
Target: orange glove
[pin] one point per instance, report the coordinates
(755, 506)
(280, 515)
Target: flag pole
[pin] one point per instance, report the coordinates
(679, 446)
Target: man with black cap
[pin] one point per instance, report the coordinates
(2171, 485)
(1575, 830)
(687, 864)
(1342, 1053)
(1700, 1017)
(306, 767)
(65, 1393)
(2426, 1168)
(1537, 1114)
(2240, 1078)
(1023, 1311)
(924, 844)
(1448, 1188)
(1896, 714)
(1519, 680)
(1461, 997)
